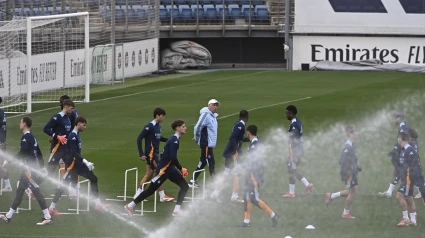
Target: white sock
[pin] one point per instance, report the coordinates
(346, 212)
(139, 190)
(305, 182)
(335, 195)
(161, 194)
(72, 191)
(215, 193)
(405, 215)
(292, 188)
(177, 208)
(47, 214)
(97, 202)
(273, 214)
(413, 217)
(391, 188)
(234, 195)
(246, 221)
(7, 183)
(52, 206)
(9, 214)
(131, 205)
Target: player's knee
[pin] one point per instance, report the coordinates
(291, 179)
(226, 172)
(184, 186)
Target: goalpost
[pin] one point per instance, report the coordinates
(107, 65)
(43, 58)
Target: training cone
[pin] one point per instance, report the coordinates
(310, 227)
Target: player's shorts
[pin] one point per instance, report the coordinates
(406, 187)
(294, 158)
(28, 180)
(172, 174)
(152, 161)
(351, 181)
(58, 152)
(231, 160)
(73, 169)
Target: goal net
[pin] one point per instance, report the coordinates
(106, 65)
(43, 58)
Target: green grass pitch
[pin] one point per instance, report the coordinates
(325, 100)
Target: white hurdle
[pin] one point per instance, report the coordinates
(154, 202)
(78, 210)
(124, 197)
(59, 180)
(1, 187)
(29, 202)
(193, 188)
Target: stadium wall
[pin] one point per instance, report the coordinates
(391, 31)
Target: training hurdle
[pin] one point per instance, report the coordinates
(124, 197)
(78, 210)
(29, 202)
(1, 187)
(59, 180)
(154, 202)
(193, 188)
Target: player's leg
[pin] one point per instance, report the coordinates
(86, 173)
(202, 163)
(228, 166)
(54, 159)
(254, 197)
(69, 174)
(4, 174)
(47, 219)
(393, 183)
(401, 193)
(211, 163)
(235, 195)
(332, 196)
(411, 207)
(156, 182)
(23, 184)
(291, 193)
(352, 193)
(177, 178)
(161, 192)
(148, 176)
(248, 211)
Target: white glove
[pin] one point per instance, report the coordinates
(5, 162)
(89, 165)
(43, 172)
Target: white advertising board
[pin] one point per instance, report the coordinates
(312, 49)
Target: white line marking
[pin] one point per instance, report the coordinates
(151, 91)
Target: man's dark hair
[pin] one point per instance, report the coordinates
(243, 114)
(68, 102)
(413, 133)
(403, 136)
(80, 119)
(252, 130)
(292, 109)
(349, 129)
(398, 114)
(27, 121)
(63, 98)
(158, 112)
(176, 124)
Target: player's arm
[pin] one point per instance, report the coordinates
(48, 128)
(199, 125)
(40, 158)
(395, 152)
(174, 147)
(143, 134)
(163, 139)
(344, 163)
(73, 147)
(25, 146)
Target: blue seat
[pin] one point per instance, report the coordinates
(179, 2)
(119, 2)
(163, 14)
(222, 11)
(245, 11)
(131, 14)
(210, 12)
(141, 14)
(243, 2)
(228, 2)
(193, 2)
(198, 11)
(262, 12)
(186, 12)
(217, 2)
(119, 14)
(204, 2)
(257, 2)
(175, 14)
(235, 12)
(413, 6)
(165, 2)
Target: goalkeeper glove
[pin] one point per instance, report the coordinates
(61, 139)
(359, 169)
(184, 172)
(89, 165)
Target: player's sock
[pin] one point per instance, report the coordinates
(272, 215)
(47, 214)
(139, 190)
(97, 202)
(52, 206)
(265, 208)
(413, 217)
(246, 221)
(305, 182)
(215, 193)
(9, 214)
(177, 208)
(7, 183)
(161, 194)
(131, 205)
(235, 195)
(390, 189)
(292, 188)
(335, 195)
(346, 211)
(405, 215)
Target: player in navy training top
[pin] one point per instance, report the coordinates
(32, 159)
(151, 134)
(296, 152)
(410, 173)
(349, 170)
(76, 165)
(254, 179)
(168, 168)
(4, 174)
(413, 141)
(394, 154)
(74, 114)
(58, 128)
(231, 153)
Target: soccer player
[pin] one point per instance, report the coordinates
(206, 130)
(231, 153)
(168, 168)
(398, 119)
(296, 152)
(349, 171)
(76, 165)
(32, 159)
(4, 174)
(254, 179)
(410, 173)
(74, 114)
(413, 141)
(152, 136)
(58, 127)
